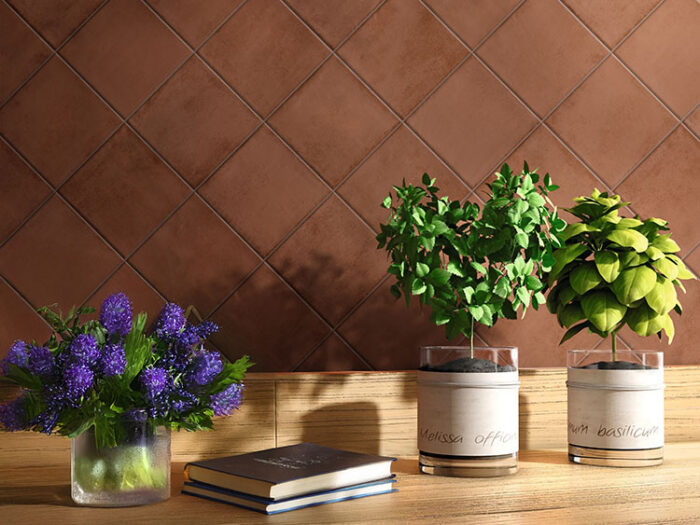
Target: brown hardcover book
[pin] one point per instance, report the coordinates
(285, 472)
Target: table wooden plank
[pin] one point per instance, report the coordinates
(548, 489)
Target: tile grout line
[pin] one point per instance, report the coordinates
(23, 299)
(54, 50)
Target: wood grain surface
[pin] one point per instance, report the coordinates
(547, 489)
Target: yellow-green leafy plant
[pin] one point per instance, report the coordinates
(614, 271)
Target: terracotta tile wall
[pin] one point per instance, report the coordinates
(232, 154)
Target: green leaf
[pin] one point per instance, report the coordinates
(572, 332)
(522, 240)
(570, 314)
(442, 207)
(533, 283)
(667, 268)
(666, 244)
(468, 292)
(564, 256)
(633, 284)
(572, 230)
(602, 309)
(502, 288)
(422, 269)
(440, 318)
(662, 298)
(137, 349)
(629, 223)
(455, 269)
(476, 311)
(428, 243)
(645, 321)
(584, 278)
(668, 327)
(629, 239)
(630, 259)
(608, 265)
(683, 272)
(654, 253)
(426, 179)
(478, 267)
(523, 294)
(519, 265)
(438, 276)
(387, 202)
(535, 199)
(418, 287)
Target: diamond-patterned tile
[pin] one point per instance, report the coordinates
(283, 193)
(56, 258)
(333, 121)
(115, 190)
(388, 334)
(663, 52)
(332, 355)
(472, 121)
(143, 297)
(264, 52)
(543, 151)
(537, 337)
(403, 51)
(194, 121)
(542, 66)
(693, 262)
(402, 156)
(19, 321)
(611, 121)
(331, 260)
(472, 20)
(267, 321)
(125, 51)
(21, 191)
(195, 258)
(611, 20)
(194, 20)
(21, 51)
(56, 121)
(673, 167)
(56, 19)
(333, 20)
(693, 121)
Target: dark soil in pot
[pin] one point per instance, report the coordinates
(469, 364)
(617, 365)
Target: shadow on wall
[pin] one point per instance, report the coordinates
(356, 427)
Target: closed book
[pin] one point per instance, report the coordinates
(286, 472)
(269, 506)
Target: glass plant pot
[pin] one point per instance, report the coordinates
(468, 411)
(615, 407)
(135, 472)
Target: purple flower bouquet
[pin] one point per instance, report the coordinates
(118, 391)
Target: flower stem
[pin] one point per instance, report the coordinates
(471, 340)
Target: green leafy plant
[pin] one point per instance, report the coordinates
(469, 266)
(615, 271)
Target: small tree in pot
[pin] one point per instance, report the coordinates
(614, 272)
(470, 266)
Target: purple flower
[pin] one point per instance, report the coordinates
(154, 380)
(205, 368)
(207, 328)
(170, 321)
(12, 415)
(113, 360)
(184, 401)
(41, 361)
(46, 420)
(83, 349)
(188, 337)
(78, 378)
(17, 355)
(115, 314)
(227, 400)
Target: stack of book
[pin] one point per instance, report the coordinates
(288, 478)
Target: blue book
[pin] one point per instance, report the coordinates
(269, 506)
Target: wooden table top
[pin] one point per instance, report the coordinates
(547, 489)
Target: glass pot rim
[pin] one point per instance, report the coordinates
(653, 358)
(434, 357)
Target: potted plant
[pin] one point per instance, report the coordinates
(470, 266)
(614, 272)
(117, 392)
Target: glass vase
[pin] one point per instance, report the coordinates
(468, 411)
(615, 407)
(135, 472)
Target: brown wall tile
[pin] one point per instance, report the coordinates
(277, 242)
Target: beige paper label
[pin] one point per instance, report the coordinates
(616, 409)
(468, 414)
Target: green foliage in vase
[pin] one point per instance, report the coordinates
(471, 265)
(615, 271)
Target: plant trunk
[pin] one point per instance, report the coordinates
(614, 346)
(471, 340)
